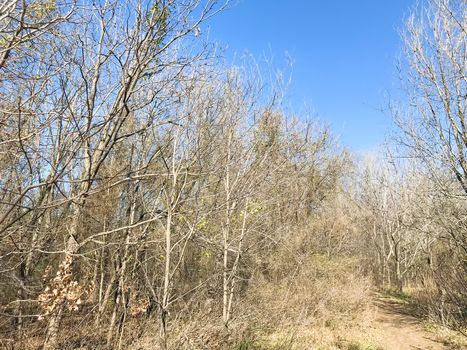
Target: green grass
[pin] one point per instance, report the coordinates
(429, 326)
(399, 296)
(283, 342)
(344, 344)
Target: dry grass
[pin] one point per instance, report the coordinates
(451, 339)
(317, 303)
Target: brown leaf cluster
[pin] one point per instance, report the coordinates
(62, 290)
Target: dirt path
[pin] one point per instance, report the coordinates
(398, 330)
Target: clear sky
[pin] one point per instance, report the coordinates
(344, 55)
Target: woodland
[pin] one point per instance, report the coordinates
(154, 197)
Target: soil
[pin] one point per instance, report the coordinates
(397, 329)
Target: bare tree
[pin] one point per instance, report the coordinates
(22, 22)
(435, 128)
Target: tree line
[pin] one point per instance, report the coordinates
(143, 185)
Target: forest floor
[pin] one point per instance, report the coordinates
(387, 323)
(396, 328)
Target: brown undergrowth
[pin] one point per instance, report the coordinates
(318, 301)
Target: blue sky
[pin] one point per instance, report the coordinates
(343, 52)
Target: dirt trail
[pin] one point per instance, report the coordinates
(398, 330)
